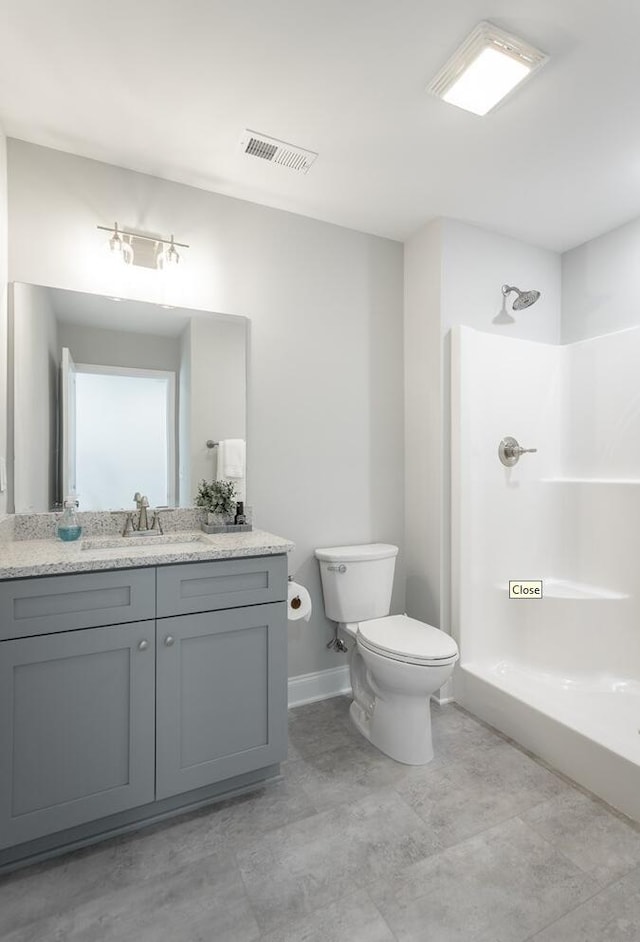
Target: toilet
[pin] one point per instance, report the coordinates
(397, 662)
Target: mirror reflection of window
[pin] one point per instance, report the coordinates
(52, 327)
(124, 413)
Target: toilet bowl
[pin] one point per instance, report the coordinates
(396, 663)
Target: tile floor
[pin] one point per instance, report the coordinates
(482, 845)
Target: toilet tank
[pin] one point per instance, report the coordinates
(357, 580)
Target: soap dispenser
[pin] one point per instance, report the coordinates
(68, 528)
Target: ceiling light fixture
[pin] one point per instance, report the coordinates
(162, 254)
(488, 65)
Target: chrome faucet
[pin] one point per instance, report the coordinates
(142, 503)
(139, 523)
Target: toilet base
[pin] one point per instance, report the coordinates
(392, 703)
(404, 736)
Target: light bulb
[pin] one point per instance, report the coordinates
(168, 257)
(119, 248)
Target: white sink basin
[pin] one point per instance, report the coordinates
(177, 542)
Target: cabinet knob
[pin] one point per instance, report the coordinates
(169, 640)
(143, 646)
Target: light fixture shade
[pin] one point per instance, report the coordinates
(168, 257)
(489, 64)
(120, 249)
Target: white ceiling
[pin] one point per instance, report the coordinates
(167, 86)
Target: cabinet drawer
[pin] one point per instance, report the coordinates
(83, 600)
(224, 583)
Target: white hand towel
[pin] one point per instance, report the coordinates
(231, 458)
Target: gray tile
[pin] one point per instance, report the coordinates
(354, 918)
(347, 773)
(234, 824)
(317, 727)
(51, 888)
(589, 834)
(474, 792)
(613, 915)
(303, 866)
(199, 904)
(456, 733)
(500, 886)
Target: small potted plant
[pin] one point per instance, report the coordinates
(218, 499)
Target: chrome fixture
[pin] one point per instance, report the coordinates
(141, 524)
(524, 299)
(211, 444)
(336, 643)
(142, 503)
(162, 253)
(509, 451)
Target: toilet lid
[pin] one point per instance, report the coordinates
(402, 637)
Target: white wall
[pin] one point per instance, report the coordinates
(453, 275)
(475, 265)
(325, 417)
(600, 284)
(34, 421)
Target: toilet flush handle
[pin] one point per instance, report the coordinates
(340, 568)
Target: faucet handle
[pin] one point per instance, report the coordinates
(129, 525)
(156, 523)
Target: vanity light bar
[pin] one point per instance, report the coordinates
(159, 258)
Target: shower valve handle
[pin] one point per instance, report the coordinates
(509, 451)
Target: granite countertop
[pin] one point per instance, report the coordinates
(21, 558)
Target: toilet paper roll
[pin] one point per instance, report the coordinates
(298, 602)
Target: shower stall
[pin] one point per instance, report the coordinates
(559, 672)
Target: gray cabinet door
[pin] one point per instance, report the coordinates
(221, 695)
(76, 728)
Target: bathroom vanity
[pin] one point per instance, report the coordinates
(135, 686)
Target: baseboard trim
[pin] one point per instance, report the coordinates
(442, 700)
(320, 685)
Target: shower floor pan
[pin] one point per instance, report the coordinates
(587, 727)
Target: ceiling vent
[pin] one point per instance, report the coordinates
(277, 152)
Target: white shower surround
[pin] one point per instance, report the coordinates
(560, 675)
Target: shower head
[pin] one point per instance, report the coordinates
(524, 299)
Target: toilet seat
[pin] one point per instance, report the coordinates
(401, 638)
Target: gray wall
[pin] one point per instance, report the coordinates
(325, 417)
(33, 399)
(217, 397)
(3, 305)
(117, 348)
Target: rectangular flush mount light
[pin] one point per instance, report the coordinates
(488, 65)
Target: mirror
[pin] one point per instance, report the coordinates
(107, 397)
